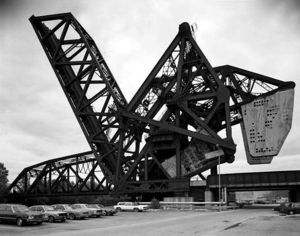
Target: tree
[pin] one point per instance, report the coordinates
(155, 204)
(3, 178)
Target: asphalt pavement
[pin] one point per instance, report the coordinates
(169, 223)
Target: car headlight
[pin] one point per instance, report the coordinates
(30, 217)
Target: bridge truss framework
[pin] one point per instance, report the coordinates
(182, 108)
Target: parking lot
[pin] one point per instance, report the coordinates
(168, 223)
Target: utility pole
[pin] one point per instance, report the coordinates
(219, 173)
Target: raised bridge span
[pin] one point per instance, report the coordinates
(174, 128)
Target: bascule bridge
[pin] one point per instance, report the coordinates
(176, 126)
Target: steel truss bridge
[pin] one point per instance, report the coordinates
(182, 114)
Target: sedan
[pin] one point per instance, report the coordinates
(72, 213)
(93, 212)
(51, 215)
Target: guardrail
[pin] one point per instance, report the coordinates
(186, 203)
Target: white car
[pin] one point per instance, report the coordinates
(130, 206)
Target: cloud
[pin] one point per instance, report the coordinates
(289, 8)
(8, 6)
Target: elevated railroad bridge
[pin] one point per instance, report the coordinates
(258, 181)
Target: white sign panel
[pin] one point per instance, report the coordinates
(267, 122)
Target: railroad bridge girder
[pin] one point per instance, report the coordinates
(257, 181)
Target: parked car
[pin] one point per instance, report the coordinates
(19, 214)
(97, 208)
(291, 208)
(51, 215)
(279, 207)
(93, 212)
(72, 213)
(260, 202)
(130, 206)
(107, 211)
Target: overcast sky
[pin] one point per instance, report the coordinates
(36, 121)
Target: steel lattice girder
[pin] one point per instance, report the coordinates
(182, 106)
(76, 174)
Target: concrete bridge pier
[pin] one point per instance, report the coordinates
(294, 195)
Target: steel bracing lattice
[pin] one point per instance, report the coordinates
(181, 108)
(75, 174)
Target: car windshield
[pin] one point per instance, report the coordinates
(92, 206)
(20, 208)
(78, 206)
(49, 208)
(67, 207)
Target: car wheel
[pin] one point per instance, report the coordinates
(118, 209)
(20, 222)
(51, 219)
(136, 210)
(72, 217)
(291, 212)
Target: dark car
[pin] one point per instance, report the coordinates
(291, 208)
(51, 215)
(72, 213)
(107, 211)
(279, 207)
(19, 214)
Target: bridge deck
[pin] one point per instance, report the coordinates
(256, 179)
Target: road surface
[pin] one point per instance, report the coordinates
(169, 223)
